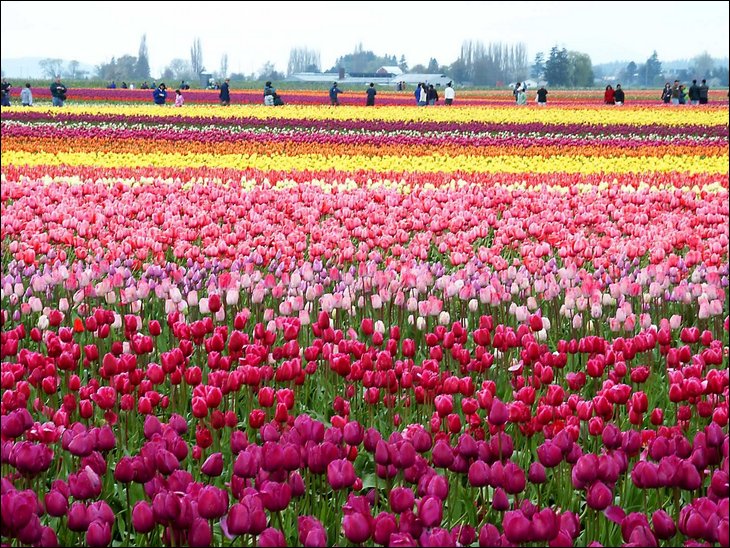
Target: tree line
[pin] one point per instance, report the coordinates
(480, 64)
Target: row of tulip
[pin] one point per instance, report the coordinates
(312, 345)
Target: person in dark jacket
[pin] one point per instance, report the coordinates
(618, 95)
(542, 94)
(694, 93)
(704, 92)
(225, 94)
(160, 94)
(334, 92)
(433, 95)
(667, 93)
(58, 92)
(371, 93)
(6, 93)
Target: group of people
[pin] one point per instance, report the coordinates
(677, 94)
(614, 96)
(520, 94)
(159, 96)
(26, 95)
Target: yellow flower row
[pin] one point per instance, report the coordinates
(435, 163)
(564, 114)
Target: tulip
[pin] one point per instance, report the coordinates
(430, 510)
(200, 533)
(56, 503)
(98, 534)
(599, 496)
(517, 527)
(401, 499)
(384, 526)
(311, 532)
(357, 527)
(489, 536)
(77, 517)
(213, 465)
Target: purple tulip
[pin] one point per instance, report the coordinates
(48, 538)
(437, 486)
(353, 433)
(271, 537)
(85, 484)
(143, 519)
(402, 540)
(212, 502)
(536, 474)
(81, 445)
(384, 526)
(514, 479)
(77, 517)
(312, 533)
(599, 496)
(357, 527)
(500, 502)
(32, 532)
(56, 503)
(549, 454)
(166, 507)
(664, 526)
(340, 474)
(256, 513)
(436, 537)
(15, 423)
(213, 465)
(239, 441)
(200, 535)
(479, 474)
(238, 520)
(431, 511)
(401, 499)
(166, 462)
(585, 470)
(499, 413)
(489, 536)
(98, 534)
(517, 528)
(645, 475)
(275, 496)
(124, 470)
(465, 535)
(545, 525)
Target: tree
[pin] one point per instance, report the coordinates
(51, 67)
(303, 60)
(702, 65)
(433, 66)
(142, 69)
(224, 66)
(196, 57)
(73, 69)
(581, 70)
(538, 66)
(269, 72)
(178, 69)
(652, 70)
(629, 73)
(403, 64)
(557, 67)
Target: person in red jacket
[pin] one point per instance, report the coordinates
(608, 97)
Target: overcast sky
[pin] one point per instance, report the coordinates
(252, 33)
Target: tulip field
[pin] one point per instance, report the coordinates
(477, 325)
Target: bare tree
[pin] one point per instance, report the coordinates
(196, 57)
(303, 60)
(224, 66)
(51, 67)
(73, 69)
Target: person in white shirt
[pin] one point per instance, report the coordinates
(449, 94)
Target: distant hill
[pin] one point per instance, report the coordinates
(29, 67)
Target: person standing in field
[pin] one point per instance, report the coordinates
(371, 93)
(609, 96)
(433, 95)
(334, 92)
(675, 93)
(179, 99)
(666, 93)
(521, 97)
(6, 93)
(619, 95)
(225, 94)
(704, 92)
(58, 92)
(694, 93)
(26, 96)
(542, 94)
(449, 94)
